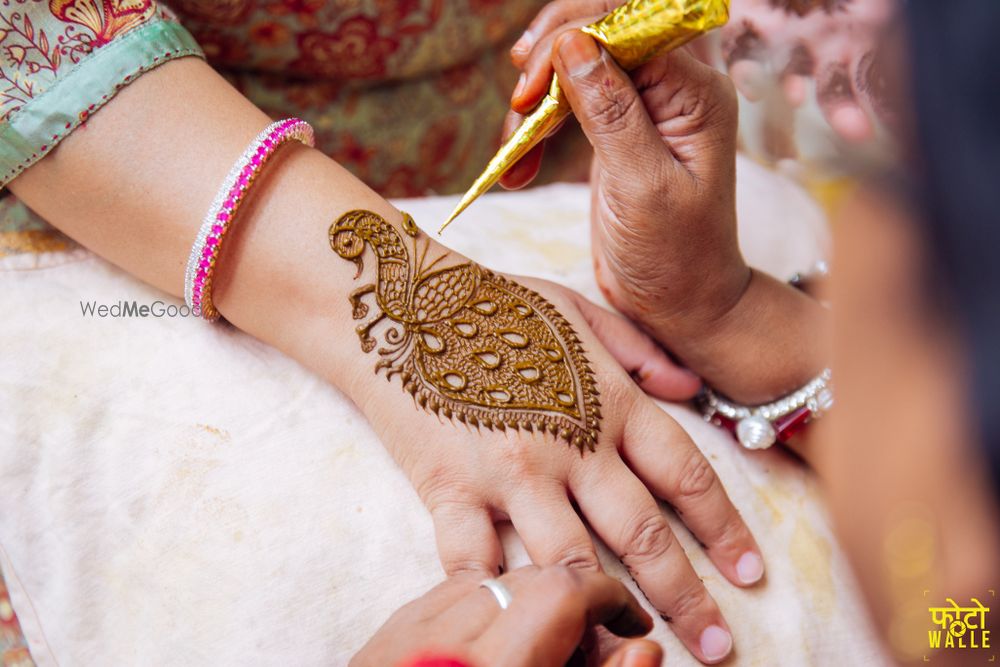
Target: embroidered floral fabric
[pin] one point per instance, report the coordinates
(61, 60)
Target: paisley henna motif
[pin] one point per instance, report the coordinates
(469, 344)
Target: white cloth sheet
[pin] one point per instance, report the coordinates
(177, 493)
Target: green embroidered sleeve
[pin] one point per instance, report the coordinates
(61, 60)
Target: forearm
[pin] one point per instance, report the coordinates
(134, 184)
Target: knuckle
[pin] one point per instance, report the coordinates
(618, 393)
(464, 567)
(696, 477)
(553, 14)
(692, 599)
(522, 462)
(646, 540)
(581, 557)
(442, 491)
(733, 531)
(612, 106)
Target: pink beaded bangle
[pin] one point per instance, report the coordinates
(208, 243)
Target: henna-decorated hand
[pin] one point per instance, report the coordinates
(551, 608)
(502, 403)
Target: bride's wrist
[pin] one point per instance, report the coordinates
(277, 278)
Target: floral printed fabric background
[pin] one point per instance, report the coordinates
(407, 94)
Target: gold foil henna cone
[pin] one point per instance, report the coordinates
(632, 34)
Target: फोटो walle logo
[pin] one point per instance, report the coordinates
(958, 627)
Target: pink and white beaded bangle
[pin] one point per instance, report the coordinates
(208, 243)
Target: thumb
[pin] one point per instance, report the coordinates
(606, 104)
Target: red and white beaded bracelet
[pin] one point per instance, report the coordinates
(208, 243)
(761, 426)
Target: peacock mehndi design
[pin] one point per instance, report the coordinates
(468, 344)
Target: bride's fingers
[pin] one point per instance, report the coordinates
(551, 530)
(467, 539)
(655, 372)
(662, 454)
(628, 519)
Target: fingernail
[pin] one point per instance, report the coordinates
(578, 53)
(519, 87)
(523, 44)
(749, 568)
(716, 643)
(641, 655)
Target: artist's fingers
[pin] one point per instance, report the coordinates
(799, 67)
(551, 530)
(621, 511)
(548, 615)
(749, 77)
(467, 540)
(794, 87)
(664, 457)
(470, 615)
(608, 107)
(644, 360)
(537, 67)
(440, 599)
(836, 96)
(636, 653)
(553, 16)
(743, 51)
(524, 170)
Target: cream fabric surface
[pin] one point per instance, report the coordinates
(177, 493)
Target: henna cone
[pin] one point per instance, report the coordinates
(632, 34)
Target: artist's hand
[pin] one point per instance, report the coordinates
(834, 42)
(551, 609)
(471, 476)
(663, 184)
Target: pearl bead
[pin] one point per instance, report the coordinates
(755, 432)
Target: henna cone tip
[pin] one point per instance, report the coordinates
(469, 197)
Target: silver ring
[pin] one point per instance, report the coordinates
(499, 591)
